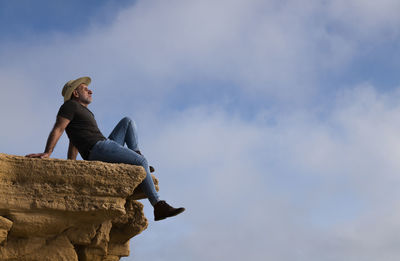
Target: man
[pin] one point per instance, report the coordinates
(86, 138)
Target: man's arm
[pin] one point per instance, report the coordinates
(54, 136)
(72, 151)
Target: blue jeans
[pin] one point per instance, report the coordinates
(112, 150)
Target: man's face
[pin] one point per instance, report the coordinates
(84, 94)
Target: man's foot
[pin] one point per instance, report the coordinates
(162, 210)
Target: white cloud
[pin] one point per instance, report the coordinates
(300, 181)
(270, 49)
(370, 20)
(321, 188)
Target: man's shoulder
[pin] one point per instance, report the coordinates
(70, 104)
(68, 109)
(71, 101)
(74, 107)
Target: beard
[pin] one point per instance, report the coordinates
(85, 99)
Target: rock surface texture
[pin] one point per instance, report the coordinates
(52, 209)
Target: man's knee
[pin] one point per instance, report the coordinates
(128, 120)
(143, 162)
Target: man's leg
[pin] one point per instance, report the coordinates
(125, 132)
(112, 152)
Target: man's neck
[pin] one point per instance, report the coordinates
(81, 103)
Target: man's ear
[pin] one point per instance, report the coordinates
(75, 93)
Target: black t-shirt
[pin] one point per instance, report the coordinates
(82, 130)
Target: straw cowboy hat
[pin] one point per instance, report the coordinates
(71, 85)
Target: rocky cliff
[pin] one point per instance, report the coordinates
(52, 209)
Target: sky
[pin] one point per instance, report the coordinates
(275, 123)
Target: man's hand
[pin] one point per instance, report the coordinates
(38, 155)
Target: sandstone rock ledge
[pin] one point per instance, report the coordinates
(52, 209)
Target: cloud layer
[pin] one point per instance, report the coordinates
(259, 116)
(302, 188)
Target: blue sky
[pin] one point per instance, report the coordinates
(275, 123)
(24, 18)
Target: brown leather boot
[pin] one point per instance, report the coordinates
(162, 210)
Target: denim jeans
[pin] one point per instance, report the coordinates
(112, 150)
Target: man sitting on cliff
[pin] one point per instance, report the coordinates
(85, 137)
